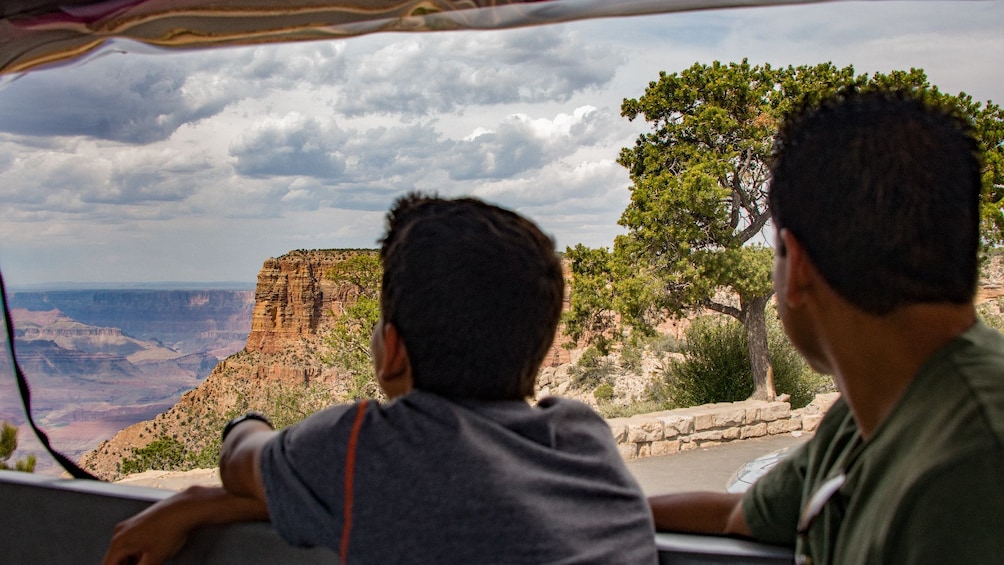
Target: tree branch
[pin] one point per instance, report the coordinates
(724, 309)
(754, 228)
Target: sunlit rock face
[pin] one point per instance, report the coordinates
(293, 299)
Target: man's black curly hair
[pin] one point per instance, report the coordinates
(883, 191)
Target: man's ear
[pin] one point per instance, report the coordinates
(394, 376)
(799, 272)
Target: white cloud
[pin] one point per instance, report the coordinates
(422, 75)
(212, 161)
(289, 146)
(305, 64)
(520, 144)
(124, 99)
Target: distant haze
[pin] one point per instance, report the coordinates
(99, 360)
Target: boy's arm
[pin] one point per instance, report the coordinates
(160, 531)
(240, 458)
(717, 513)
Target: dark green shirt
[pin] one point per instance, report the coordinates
(927, 488)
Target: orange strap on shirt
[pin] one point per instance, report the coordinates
(350, 470)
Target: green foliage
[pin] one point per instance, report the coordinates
(631, 354)
(362, 270)
(287, 405)
(199, 447)
(8, 442)
(610, 410)
(284, 405)
(590, 313)
(164, 454)
(26, 465)
(716, 367)
(349, 340)
(205, 458)
(700, 181)
(661, 344)
(592, 370)
(604, 392)
(8, 445)
(698, 197)
(634, 348)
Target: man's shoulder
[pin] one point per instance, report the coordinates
(548, 415)
(965, 488)
(568, 412)
(982, 357)
(984, 336)
(951, 415)
(973, 379)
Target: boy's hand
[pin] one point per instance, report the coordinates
(156, 534)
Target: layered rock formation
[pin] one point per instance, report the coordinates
(294, 300)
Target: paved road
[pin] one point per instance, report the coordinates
(705, 469)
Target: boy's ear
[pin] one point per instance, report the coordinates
(394, 377)
(799, 272)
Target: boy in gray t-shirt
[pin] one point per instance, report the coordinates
(457, 467)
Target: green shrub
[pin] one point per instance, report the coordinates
(631, 354)
(206, 458)
(592, 370)
(8, 445)
(609, 410)
(716, 367)
(661, 344)
(163, 454)
(348, 344)
(604, 392)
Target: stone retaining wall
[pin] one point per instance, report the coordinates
(663, 433)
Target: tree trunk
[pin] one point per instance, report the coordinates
(755, 322)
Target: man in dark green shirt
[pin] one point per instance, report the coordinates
(875, 199)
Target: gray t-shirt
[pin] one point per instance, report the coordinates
(424, 479)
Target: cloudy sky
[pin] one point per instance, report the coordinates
(199, 166)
